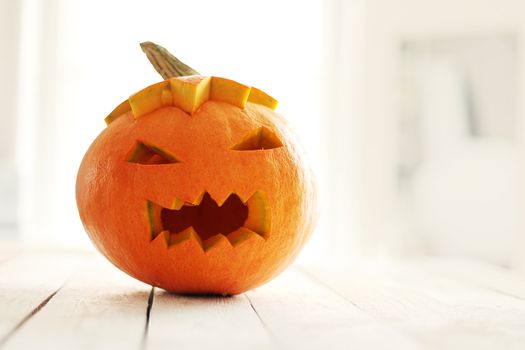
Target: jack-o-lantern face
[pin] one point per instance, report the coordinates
(197, 186)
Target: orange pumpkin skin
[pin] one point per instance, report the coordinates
(114, 194)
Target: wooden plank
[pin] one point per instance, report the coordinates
(487, 319)
(99, 307)
(8, 251)
(25, 282)
(439, 311)
(435, 304)
(383, 292)
(205, 322)
(302, 314)
(482, 274)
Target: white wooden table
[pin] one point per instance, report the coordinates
(80, 301)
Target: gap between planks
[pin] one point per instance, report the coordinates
(303, 313)
(40, 324)
(441, 303)
(27, 283)
(33, 312)
(294, 311)
(151, 297)
(265, 326)
(98, 307)
(301, 308)
(200, 322)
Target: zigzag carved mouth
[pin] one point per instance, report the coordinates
(208, 221)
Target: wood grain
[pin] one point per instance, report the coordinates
(25, 282)
(438, 311)
(186, 322)
(302, 314)
(481, 274)
(98, 308)
(72, 301)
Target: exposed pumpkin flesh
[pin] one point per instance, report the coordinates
(189, 93)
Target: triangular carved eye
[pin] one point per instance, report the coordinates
(143, 153)
(259, 139)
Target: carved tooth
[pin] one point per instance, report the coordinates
(187, 235)
(244, 197)
(243, 235)
(198, 199)
(153, 213)
(222, 199)
(219, 241)
(162, 239)
(177, 204)
(259, 217)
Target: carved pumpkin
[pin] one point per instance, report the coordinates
(196, 186)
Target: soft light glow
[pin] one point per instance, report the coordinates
(92, 61)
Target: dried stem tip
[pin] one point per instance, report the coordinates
(167, 65)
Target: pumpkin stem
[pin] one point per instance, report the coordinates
(167, 65)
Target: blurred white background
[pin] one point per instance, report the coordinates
(410, 110)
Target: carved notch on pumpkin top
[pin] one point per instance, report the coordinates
(143, 153)
(259, 139)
